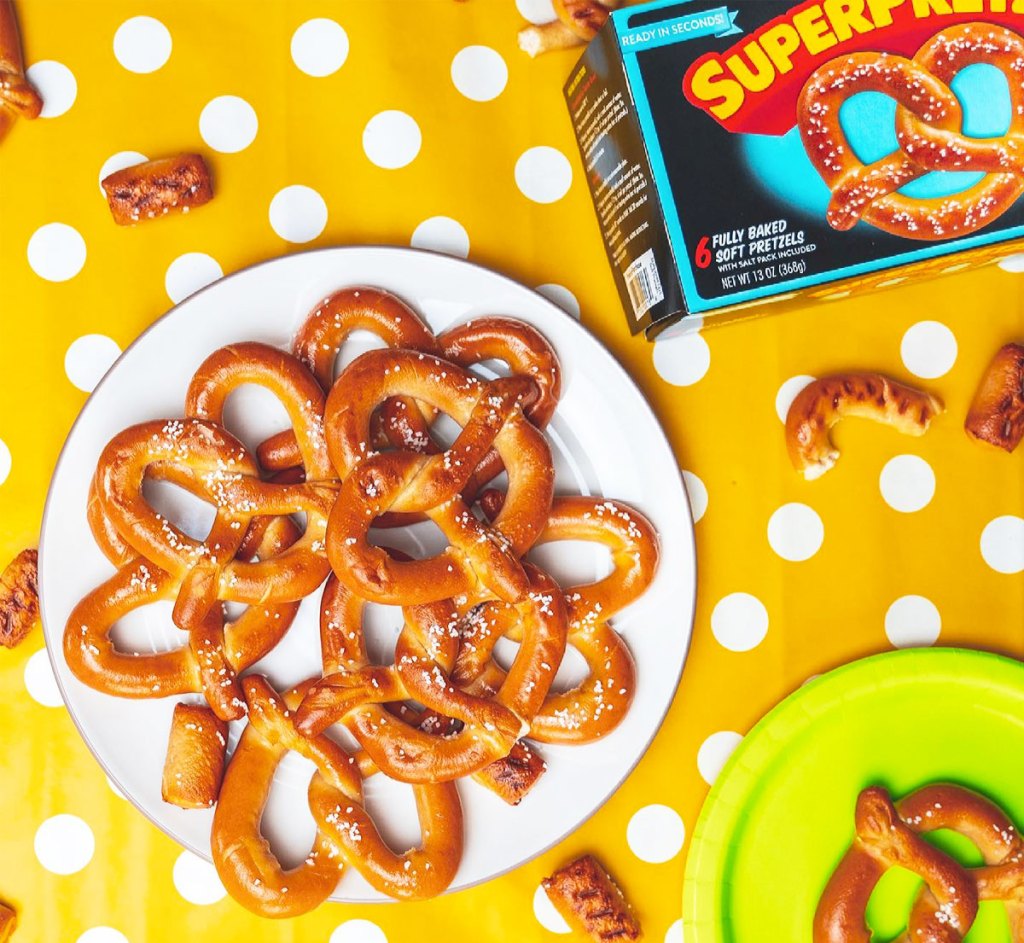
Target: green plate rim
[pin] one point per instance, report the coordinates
(727, 797)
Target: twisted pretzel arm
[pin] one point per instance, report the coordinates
(194, 766)
(245, 862)
(821, 404)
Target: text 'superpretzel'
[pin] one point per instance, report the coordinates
(928, 129)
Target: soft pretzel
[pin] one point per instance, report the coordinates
(996, 415)
(17, 97)
(345, 834)
(596, 705)
(354, 692)
(821, 404)
(19, 598)
(196, 749)
(490, 415)
(8, 922)
(883, 840)
(928, 123)
(578, 22)
(945, 908)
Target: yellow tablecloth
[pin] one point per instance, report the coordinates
(877, 568)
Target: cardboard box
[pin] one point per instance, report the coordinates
(752, 152)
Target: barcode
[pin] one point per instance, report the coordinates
(643, 284)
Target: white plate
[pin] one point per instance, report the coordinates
(605, 440)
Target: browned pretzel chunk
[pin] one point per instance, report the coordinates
(584, 17)
(821, 404)
(19, 598)
(196, 749)
(355, 693)
(591, 902)
(996, 415)
(324, 333)
(17, 97)
(596, 705)
(285, 376)
(884, 840)
(8, 922)
(157, 187)
(491, 416)
(244, 860)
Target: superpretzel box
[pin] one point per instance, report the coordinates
(744, 153)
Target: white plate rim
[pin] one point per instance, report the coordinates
(400, 251)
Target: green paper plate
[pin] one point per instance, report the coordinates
(780, 815)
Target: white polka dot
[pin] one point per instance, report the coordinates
(56, 84)
(102, 935)
(56, 252)
(319, 47)
(681, 360)
(928, 349)
(543, 174)
(64, 844)
(197, 880)
(714, 752)
(907, 483)
(298, 213)
(739, 622)
(114, 788)
(697, 492)
(536, 11)
(190, 272)
(228, 124)
(562, 297)
(358, 931)
(1002, 544)
(795, 532)
(391, 139)
(674, 934)
(442, 234)
(118, 162)
(142, 44)
(656, 834)
(88, 358)
(549, 918)
(788, 392)
(912, 621)
(479, 73)
(5, 461)
(1013, 263)
(40, 682)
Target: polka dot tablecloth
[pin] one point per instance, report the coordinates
(420, 122)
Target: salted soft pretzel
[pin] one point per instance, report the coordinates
(945, 908)
(17, 97)
(491, 416)
(822, 403)
(218, 650)
(600, 701)
(996, 415)
(346, 833)
(354, 692)
(323, 334)
(526, 352)
(928, 125)
(884, 840)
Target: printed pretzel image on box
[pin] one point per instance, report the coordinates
(752, 152)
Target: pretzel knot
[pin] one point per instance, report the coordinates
(929, 134)
(489, 725)
(889, 835)
(345, 832)
(478, 555)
